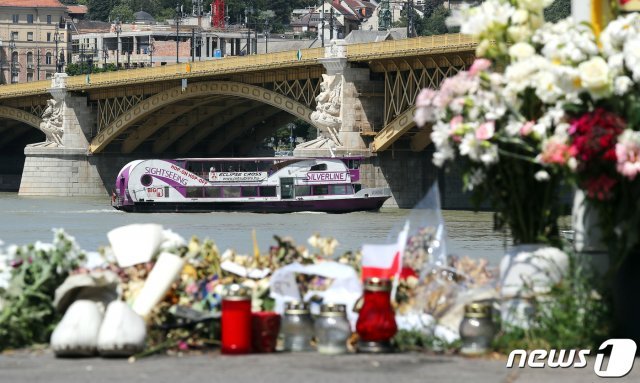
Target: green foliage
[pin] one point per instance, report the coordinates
(100, 9)
(27, 315)
(435, 24)
(83, 68)
(123, 13)
(574, 315)
(558, 10)
(413, 340)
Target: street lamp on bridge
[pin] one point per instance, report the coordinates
(56, 37)
(178, 17)
(118, 30)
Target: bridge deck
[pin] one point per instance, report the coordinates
(242, 64)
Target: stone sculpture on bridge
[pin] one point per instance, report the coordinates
(51, 125)
(328, 104)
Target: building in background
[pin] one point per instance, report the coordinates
(34, 38)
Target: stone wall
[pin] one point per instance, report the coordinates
(410, 175)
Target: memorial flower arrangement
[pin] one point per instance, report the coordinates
(543, 101)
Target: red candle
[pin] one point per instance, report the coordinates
(236, 324)
(265, 329)
(376, 320)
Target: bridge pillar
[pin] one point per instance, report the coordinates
(62, 166)
(341, 111)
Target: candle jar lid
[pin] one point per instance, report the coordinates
(377, 284)
(236, 292)
(477, 310)
(333, 310)
(296, 308)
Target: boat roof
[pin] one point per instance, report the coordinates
(288, 158)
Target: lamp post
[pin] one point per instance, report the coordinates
(151, 49)
(178, 16)
(56, 35)
(105, 54)
(118, 30)
(266, 36)
(61, 61)
(12, 46)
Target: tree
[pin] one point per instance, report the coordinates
(558, 10)
(100, 9)
(435, 24)
(122, 13)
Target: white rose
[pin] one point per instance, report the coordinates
(542, 176)
(621, 85)
(519, 33)
(520, 16)
(595, 77)
(521, 51)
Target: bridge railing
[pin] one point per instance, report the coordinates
(225, 65)
(435, 43)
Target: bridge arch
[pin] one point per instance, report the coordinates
(201, 89)
(20, 115)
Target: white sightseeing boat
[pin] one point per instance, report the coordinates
(265, 184)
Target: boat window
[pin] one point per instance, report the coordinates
(212, 192)
(249, 191)
(166, 192)
(353, 164)
(303, 190)
(338, 189)
(231, 191)
(146, 180)
(318, 167)
(194, 191)
(357, 187)
(267, 191)
(321, 190)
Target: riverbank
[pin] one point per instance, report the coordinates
(42, 366)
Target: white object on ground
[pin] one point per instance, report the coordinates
(525, 272)
(98, 286)
(345, 289)
(164, 272)
(413, 321)
(244, 272)
(77, 332)
(122, 332)
(134, 244)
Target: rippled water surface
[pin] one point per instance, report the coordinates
(27, 219)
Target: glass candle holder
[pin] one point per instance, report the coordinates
(476, 329)
(265, 329)
(332, 329)
(376, 323)
(297, 327)
(236, 321)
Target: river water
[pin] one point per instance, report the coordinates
(28, 219)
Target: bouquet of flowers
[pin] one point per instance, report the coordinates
(543, 101)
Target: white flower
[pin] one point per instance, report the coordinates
(595, 77)
(616, 63)
(542, 176)
(443, 154)
(440, 134)
(490, 14)
(572, 163)
(632, 57)
(521, 51)
(547, 89)
(621, 85)
(476, 178)
(482, 48)
(489, 155)
(519, 33)
(520, 16)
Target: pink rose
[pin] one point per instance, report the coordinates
(425, 97)
(478, 66)
(527, 128)
(628, 155)
(486, 130)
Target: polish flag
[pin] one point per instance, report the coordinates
(384, 261)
